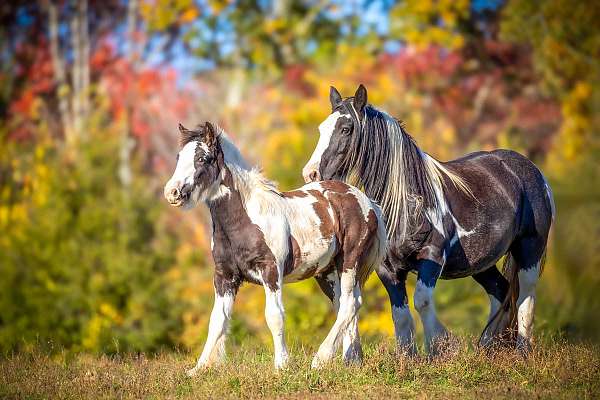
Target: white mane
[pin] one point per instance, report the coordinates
(396, 194)
(249, 181)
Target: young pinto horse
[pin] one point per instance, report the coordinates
(327, 230)
(444, 219)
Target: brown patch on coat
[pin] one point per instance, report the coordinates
(335, 186)
(294, 256)
(294, 193)
(355, 234)
(321, 207)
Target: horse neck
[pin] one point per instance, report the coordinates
(243, 186)
(225, 210)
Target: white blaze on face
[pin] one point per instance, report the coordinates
(184, 170)
(325, 131)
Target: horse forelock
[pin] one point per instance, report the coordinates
(386, 162)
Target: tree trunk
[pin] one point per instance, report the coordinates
(60, 76)
(127, 142)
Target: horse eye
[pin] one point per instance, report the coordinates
(345, 130)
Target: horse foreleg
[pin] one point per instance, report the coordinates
(350, 301)
(404, 326)
(427, 276)
(214, 348)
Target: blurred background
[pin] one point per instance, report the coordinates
(92, 258)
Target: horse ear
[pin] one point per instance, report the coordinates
(360, 98)
(210, 134)
(182, 128)
(334, 97)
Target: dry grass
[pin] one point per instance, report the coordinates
(555, 369)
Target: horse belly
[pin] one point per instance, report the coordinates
(472, 256)
(315, 257)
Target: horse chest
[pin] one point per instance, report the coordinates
(244, 251)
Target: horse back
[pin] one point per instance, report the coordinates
(510, 199)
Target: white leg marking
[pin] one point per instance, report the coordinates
(404, 328)
(275, 316)
(214, 349)
(350, 302)
(351, 348)
(525, 305)
(424, 304)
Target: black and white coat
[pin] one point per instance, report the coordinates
(327, 230)
(445, 219)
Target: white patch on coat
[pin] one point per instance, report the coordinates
(365, 203)
(325, 132)
(204, 147)
(436, 219)
(315, 249)
(459, 232)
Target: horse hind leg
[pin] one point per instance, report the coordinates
(351, 347)
(350, 302)
(496, 286)
(528, 254)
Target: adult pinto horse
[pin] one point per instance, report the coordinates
(327, 230)
(445, 219)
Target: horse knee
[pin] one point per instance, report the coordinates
(423, 297)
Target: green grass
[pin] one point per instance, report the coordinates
(555, 369)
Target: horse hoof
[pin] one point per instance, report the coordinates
(523, 346)
(192, 372)
(406, 350)
(281, 364)
(317, 363)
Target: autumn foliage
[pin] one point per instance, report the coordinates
(92, 258)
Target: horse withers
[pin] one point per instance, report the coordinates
(444, 219)
(327, 230)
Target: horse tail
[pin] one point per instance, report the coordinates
(508, 309)
(510, 269)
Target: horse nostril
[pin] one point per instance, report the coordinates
(314, 176)
(175, 193)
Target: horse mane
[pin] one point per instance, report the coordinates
(406, 182)
(248, 180)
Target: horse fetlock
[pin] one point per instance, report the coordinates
(281, 360)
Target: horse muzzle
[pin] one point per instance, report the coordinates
(311, 174)
(177, 195)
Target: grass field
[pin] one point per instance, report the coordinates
(555, 369)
